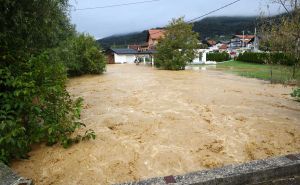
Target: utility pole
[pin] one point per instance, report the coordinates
(243, 39)
(255, 40)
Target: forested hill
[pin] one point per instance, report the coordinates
(212, 27)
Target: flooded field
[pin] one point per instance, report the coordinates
(156, 123)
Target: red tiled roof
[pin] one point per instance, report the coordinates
(224, 46)
(211, 42)
(156, 34)
(246, 37)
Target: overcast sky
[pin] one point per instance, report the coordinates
(125, 19)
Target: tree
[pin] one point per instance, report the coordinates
(81, 55)
(34, 103)
(283, 35)
(178, 46)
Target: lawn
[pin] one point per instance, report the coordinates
(281, 74)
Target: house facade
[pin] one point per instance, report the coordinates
(153, 37)
(239, 41)
(129, 56)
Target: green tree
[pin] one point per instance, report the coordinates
(82, 55)
(283, 35)
(34, 104)
(178, 47)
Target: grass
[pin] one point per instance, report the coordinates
(281, 74)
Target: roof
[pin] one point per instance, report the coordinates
(224, 46)
(125, 51)
(156, 33)
(211, 42)
(246, 37)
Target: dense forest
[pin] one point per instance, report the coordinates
(212, 27)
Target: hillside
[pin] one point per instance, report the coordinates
(212, 27)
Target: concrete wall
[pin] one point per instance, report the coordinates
(124, 58)
(284, 170)
(8, 177)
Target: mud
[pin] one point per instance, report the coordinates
(155, 123)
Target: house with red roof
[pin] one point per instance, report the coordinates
(239, 41)
(153, 37)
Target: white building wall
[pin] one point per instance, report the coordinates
(201, 60)
(124, 58)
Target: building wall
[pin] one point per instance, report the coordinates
(124, 58)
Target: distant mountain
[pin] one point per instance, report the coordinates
(212, 27)
(224, 26)
(123, 40)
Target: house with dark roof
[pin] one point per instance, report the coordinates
(130, 56)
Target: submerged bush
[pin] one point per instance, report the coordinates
(296, 94)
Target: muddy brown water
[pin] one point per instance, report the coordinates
(156, 123)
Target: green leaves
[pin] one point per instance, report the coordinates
(178, 46)
(81, 55)
(296, 94)
(218, 57)
(38, 47)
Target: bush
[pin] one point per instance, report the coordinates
(260, 58)
(34, 104)
(296, 94)
(82, 55)
(35, 107)
(218, 57)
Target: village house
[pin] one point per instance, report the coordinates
(153, 37)
(210, 42)
(136, 53)
(129, 56)
(239, 41)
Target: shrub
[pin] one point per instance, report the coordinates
(82, 55)
(218, 57)
(296, 94)
(261, 58)
(34, 104)
(35, 107)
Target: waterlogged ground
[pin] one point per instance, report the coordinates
(156, 123)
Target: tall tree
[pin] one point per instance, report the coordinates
(284, 35)
(178, 46)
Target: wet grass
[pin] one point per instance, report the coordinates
(281, 74)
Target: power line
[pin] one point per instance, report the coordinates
(225, 6)
(213, 11)
(116, 5)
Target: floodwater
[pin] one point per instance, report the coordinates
(156, 123)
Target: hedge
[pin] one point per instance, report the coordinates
(218, 57)
(260, 58)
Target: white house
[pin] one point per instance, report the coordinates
(201, 57)
(130, 56)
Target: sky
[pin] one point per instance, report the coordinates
(105, 22)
